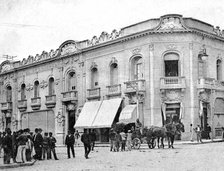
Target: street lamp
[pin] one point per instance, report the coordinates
(202, 54)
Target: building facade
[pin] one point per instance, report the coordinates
(171, 67)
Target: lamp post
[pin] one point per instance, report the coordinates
(202, 54)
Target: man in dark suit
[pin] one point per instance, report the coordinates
(85, 138)
(7, 146)
(92, 135)
(38, 143)
(69, 142)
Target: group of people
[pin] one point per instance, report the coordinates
(22, 146)
(198, 130)
(120, 140)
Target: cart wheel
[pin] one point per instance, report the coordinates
(136, 143)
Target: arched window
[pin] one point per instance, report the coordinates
(71, 81)
(113, 74)
(23, 92)
(136, 68)
(36, 89)
(171, 65)
(51, 86)
(94, 78)
(9, 94)
(219, 69)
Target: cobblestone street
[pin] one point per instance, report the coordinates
(208, 156)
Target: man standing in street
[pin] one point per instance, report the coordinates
(92, 135)
(69, 142)
(52, 142)
(7, 146)
(112, 139)
(198, 131)
(38, 142)
(87, 143)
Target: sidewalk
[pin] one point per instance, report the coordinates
(62, 150)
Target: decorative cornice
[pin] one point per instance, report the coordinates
(168, 24)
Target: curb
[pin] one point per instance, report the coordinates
(15, 165)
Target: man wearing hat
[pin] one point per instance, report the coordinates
(112, 139)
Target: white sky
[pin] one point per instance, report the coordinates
(28, 27)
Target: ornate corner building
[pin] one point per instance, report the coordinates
(171, 67)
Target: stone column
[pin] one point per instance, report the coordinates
(192, 100)
(151, 63)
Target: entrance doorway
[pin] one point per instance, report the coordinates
(71, 120)
(172, 113)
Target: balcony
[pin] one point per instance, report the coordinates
(172, 83)
(6, 106)
(22, 105)
(69, 96)
(93, 93)
(36, 103)
(114, 90)
(210, 83)
(50, 101)
(133, 86)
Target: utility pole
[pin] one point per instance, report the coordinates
(8, 57)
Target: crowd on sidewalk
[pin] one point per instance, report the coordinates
(24, 146)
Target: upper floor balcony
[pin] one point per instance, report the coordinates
(134, 86)
(50, 101)
(36, 103)
(93, 93)
(114, 90)
(210, 83)
(6, 106)
(22, 105)
(70, 96)
(172, 83)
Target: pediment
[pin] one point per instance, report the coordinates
(171, 22)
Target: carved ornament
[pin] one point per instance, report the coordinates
(171, 47)
(172, 22)
(68, 49)
(43, 84)
(93, 65)
(136, 51)
(172, 95)
(113, 61)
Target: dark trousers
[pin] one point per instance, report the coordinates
(87, 148)
(46, 150)
(92, 145)
(52, 149)
(72, 149)
(123, 143)
(38, 151)
(7, 156)
(28, 154)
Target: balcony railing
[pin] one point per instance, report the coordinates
(172, 83)
(36, 103)
(133, 86)
(93, 93)
(50, 101)
(114, 90)
(6, 106)
(69, 96)
(22, 105)
(210, 83)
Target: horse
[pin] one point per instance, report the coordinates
(167, 131)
